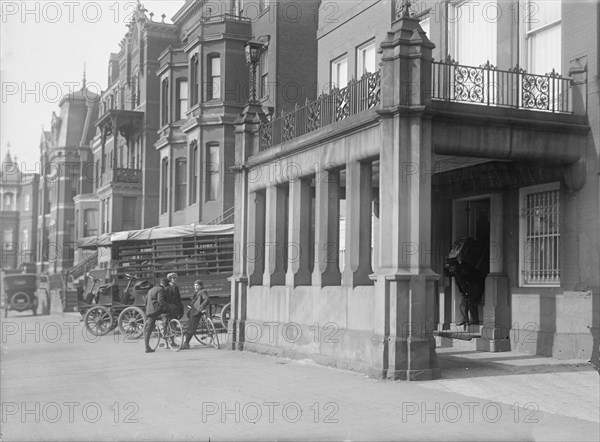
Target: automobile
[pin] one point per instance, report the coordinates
(20, 292)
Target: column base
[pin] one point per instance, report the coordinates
(493, 345)
(414, 375)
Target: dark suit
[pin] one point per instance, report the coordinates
(174, 301)
(155, 306)
(200, 302)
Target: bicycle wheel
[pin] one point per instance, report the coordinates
(202, 334)
(212, 333)
(155, 338)
(176, 335)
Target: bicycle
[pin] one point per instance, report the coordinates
(173, 336)
(206, 334)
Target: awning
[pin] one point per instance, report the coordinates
(93, 242)
(172, 232)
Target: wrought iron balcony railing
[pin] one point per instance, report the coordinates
(487, 85)
(357, 97)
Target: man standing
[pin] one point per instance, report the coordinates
(155, 306)
(174, 296)
(200, 302)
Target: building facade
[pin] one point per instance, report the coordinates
(66, 172)
(18, 214)
(442, 120)
(204, 86)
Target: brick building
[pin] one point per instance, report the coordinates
(66, 171)
(18, 213)
(443, 120)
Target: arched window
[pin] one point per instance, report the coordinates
(194, 172)
(194, 80)
(164, 102)
(180, 183)
(182, 98)
(164, 179)
(213, 87)
(213, 176)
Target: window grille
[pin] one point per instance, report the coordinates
(541, 237)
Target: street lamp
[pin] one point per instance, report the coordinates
(253, 50)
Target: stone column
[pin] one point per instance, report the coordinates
(255, 246)
(247, 226)
(298, 272)
(275, 244)
(405, 288)
(327, 229)
(496, 312)
(358, 225)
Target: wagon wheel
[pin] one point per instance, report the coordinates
(98, 320)
(131, 322)
(225, 315)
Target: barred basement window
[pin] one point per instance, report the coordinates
(540, 235)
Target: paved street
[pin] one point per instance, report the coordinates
(58, 383)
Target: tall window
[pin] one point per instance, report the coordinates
(182, 98)
(8, 201)
(180, 183)
(129, 212)
(543, 36)
(264, 73)
(366, 59)
(164, 179)
(212, 172)
(25, 239)
(9, 245)
(90, 222)
(194, 172)
(472, 26)
(27, 202)
(213, 88)
(540, 235)
(194, 79)
(164, 102)
(339, 72)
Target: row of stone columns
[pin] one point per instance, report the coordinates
(281, 233)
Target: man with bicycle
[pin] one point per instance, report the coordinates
(156, 306)
(200, 302)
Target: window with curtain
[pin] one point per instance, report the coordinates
(182, 98)
(90, 222)
(473, 32)
(540, 235)
(366, 59)
(180, 183)
(543, 36)
(339, 72)
(213, 87)
(164, 179)
(213, 154)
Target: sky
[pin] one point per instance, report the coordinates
(43, 48)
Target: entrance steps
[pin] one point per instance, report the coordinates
(458, 336)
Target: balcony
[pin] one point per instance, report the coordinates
(121, 177)
(461, 98)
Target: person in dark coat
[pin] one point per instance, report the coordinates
(174, 296)
(155, 307)
(200, 302)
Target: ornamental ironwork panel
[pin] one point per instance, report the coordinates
(313, 116)
(374, 89)
(266, 135)
(468, 84)
(342, 104)
(535, 91)
(289, 126)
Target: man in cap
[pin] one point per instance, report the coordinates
(174, 296)
(200, 302)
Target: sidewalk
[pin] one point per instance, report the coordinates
(209, 394)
